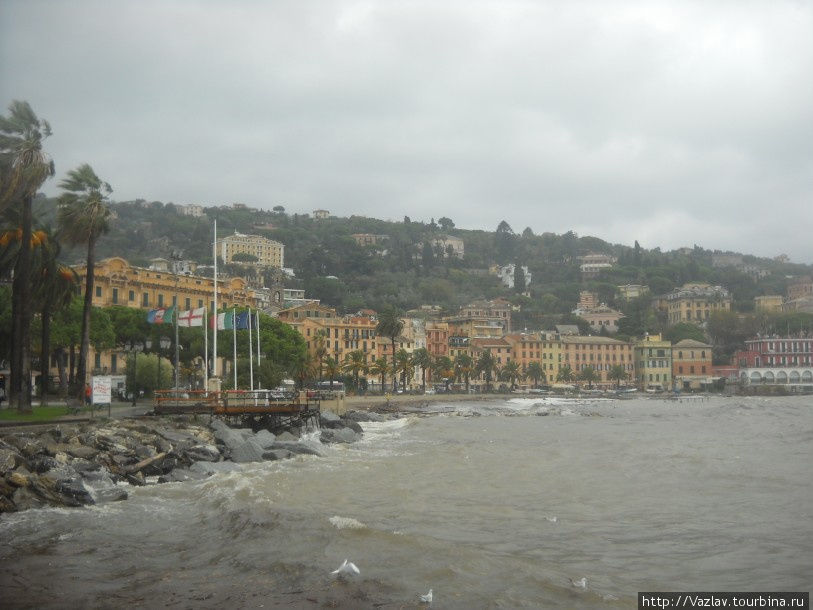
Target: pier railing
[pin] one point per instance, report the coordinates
(232, 402)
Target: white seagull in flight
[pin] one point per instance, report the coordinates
(579, 584)
(348, 567)
(427, 599)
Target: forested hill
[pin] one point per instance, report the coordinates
(408, 271)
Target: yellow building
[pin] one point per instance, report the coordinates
(769, 302)
(269, 253)
(694, 303)
(653, 363)
(600, 353)
(116, 282)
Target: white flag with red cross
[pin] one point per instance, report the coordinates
(193, 317)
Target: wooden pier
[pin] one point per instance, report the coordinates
(255, 409)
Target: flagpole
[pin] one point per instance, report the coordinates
(214, 305)
(250, 355)
(177, 364)
(257, 317)
(206, 348)
(234, 342)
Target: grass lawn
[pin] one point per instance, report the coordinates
(38, 414)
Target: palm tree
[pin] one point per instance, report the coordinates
(535, 372)
(486, 366)
(617, 373)
(24, 166)
(422, 358)
(565, 374)
(320, 349)
(55, 289)
(444, 369)
(380, 367)
(511, 373)
(304, 370)
(403, 365)
(331, 368)
(83, 218)
(589, 375)
(463, 366)
(391, 325)
(354, 364)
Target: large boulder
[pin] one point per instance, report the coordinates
(277, 454)
(9, 459)
(354, 426)
(203, 453)
(264, 439)
(247, 451)
(298, 448)
(328, 419)
(338, 435)
(364, 416)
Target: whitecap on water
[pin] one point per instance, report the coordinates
(342, 523)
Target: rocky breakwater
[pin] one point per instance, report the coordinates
(95, 462)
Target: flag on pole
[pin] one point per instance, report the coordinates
(192, 317)
(161, 316)
(225, 321)
(241, 321)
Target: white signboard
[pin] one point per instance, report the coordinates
(101, 390)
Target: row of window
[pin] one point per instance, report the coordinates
(691, 369)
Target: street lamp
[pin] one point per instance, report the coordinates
(135, 349)
(163, 343)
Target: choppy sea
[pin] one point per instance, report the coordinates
(490, 505)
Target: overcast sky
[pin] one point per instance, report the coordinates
(674, 123)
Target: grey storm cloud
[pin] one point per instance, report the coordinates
(673, 123)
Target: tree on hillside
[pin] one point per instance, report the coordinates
(519, 278)
(684, 330)
(446, 224)
(24, 167)
(391, 325)
(83, 217)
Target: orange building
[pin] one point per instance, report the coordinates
(691, 364)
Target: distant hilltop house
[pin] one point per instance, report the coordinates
(369, 239)
(736, 261)
(269, 253)
(695, 302)
(181, 267)
(769, 303)
(629, 292)
(193, 210)
(321, 214)
(496, 310)
(506, 274)
(598, 315)
(800, 296)
(449, 245)
(592, 264)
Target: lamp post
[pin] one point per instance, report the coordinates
(163, 343)
(135, 349)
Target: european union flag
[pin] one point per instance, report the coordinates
(241, 321)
